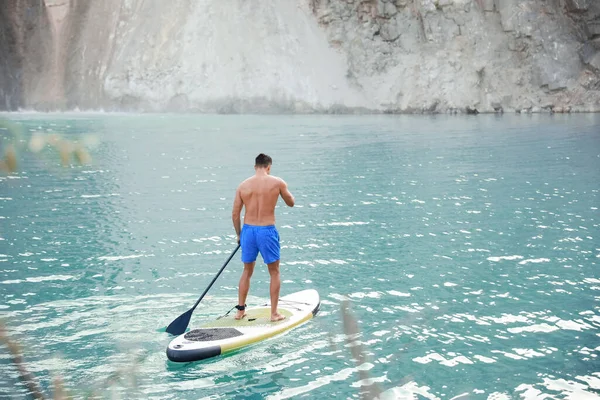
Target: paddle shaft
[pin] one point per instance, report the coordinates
(180, 324)
(215, 278)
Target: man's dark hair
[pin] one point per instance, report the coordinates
(263, 161)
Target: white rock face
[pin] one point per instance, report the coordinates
(450, 55)
(238, 56)
(227, 56)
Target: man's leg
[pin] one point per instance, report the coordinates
(244, 287)
(274, 289)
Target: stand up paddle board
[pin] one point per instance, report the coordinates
(226, 334)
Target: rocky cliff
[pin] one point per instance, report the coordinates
(235, 56)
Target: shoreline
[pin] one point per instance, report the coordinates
(307, 113)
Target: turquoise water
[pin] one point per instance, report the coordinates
(468, 249)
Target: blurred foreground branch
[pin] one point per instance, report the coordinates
(17, 358)
(12, 142)
(358, 352)
(121, 383)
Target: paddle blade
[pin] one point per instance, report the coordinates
(180, 324)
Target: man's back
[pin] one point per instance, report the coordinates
(259, 195)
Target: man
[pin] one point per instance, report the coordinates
(259, 194)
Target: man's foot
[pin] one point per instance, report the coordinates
(240, 314)
(277, 317)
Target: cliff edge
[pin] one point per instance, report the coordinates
(284, 56)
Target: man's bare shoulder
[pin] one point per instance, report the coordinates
(246, 182)
(277, 179)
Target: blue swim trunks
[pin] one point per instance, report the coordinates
(263, 239)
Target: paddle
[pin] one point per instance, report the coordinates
(180, 324)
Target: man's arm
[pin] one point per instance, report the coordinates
(236, 211)
(285, 194)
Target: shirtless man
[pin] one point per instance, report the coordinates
(259, 194)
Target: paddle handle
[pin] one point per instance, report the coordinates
(215, 278)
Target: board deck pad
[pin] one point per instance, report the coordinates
(207, 334)
(226, 334)
(254, 317)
